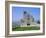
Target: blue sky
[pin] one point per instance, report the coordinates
(17, 13)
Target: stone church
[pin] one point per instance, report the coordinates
(27, 20)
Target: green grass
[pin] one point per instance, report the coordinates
(25, 28)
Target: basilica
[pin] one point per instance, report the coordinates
(28, 20)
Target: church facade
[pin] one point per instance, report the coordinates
(28, 20)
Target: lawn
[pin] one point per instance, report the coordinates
(25, 28)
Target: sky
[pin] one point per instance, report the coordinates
(17, 13)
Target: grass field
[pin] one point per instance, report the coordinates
(25, 28)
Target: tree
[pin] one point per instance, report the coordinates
(38, 22)
(25, 12)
